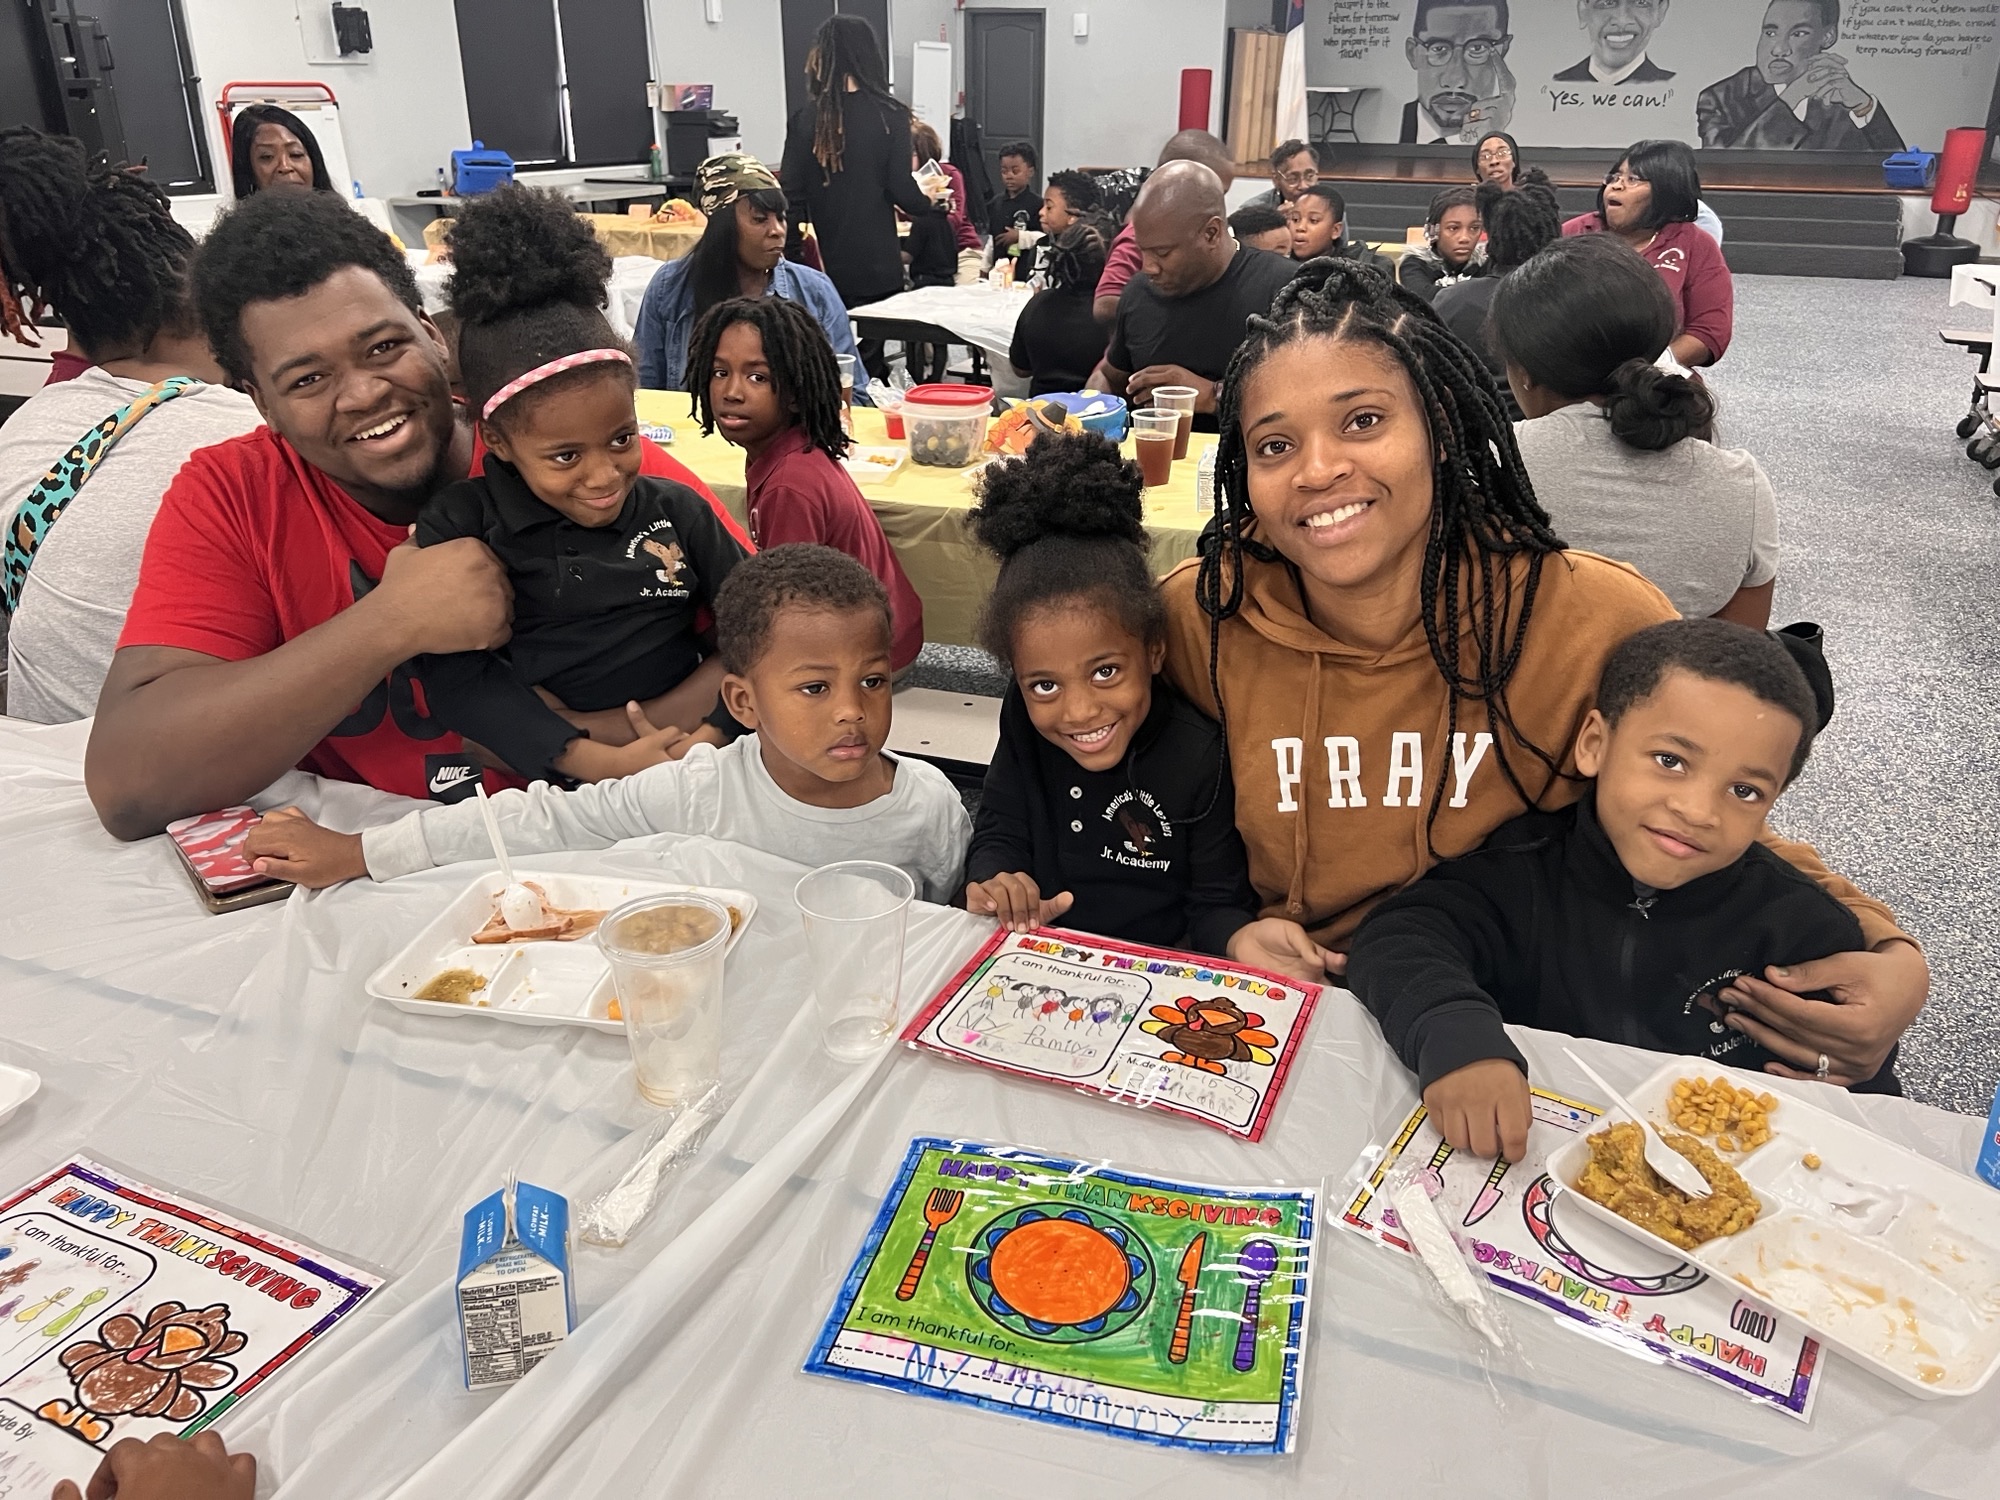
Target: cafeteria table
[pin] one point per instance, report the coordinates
(238, 1057)
(923, 511)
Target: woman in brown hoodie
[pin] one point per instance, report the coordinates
(1401, 651)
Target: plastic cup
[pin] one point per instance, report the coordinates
(1153, 433)
(666, 956)
(1178, 398)
(846, 363)
(855, 914)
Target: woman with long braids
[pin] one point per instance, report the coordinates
(741, 254)
(1401, 651)
(84, 461)
(846, 166)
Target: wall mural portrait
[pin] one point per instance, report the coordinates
(1798, 94)
(1459, 51)
(1620, 32)
(1859, 77)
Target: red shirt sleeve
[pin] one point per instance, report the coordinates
(201, 583)
(655, 460)
(1121, 265)
(1708, 294)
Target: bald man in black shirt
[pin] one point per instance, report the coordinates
(1181, 319)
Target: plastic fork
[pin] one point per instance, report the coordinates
(1661, 1157)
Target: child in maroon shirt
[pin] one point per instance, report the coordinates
(763, 372)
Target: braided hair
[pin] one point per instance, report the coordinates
(1518, 222)
(803, 371)
(97, 244)
(1484, 514)
(1076, 258)
(527, 285)
(844, 47)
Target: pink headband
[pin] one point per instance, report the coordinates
(540, 373)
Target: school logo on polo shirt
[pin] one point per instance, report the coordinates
(657, 541)
(1142, 831)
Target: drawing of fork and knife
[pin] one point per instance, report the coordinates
(1256, 1263)
(1489, 1193)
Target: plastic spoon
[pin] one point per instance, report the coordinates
(520, 908)
(1661, 1157)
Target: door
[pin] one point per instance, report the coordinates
(1003, 80)
(799, 19)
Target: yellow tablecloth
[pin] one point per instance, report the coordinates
(623, 235)
(922, 512)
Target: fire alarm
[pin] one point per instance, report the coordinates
(350, 30)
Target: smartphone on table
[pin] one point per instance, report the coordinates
(210, 846)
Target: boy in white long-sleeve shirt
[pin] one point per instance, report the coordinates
(804, 634)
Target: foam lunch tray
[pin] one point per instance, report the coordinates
(1888, 1256)
(540, 983)
(17, 1087)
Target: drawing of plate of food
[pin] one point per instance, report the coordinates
(1059, 1273)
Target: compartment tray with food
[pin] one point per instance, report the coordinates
(1888, 1256)
(465, 963)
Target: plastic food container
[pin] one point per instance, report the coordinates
(946, 424)
(1887, 1256)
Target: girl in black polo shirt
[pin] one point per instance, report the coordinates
(1108, 806)
(614, 570)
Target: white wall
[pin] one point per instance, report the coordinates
(742, 55)
(402, 108)
(1113, 98)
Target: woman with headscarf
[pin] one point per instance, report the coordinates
(1496, 159)
(272, 147)
(741, 254)
(847, 166)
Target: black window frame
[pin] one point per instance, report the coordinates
(490, 105)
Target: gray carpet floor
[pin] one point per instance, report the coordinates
(1891, 540)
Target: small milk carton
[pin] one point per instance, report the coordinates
(515, 1298)
(1989, 1148)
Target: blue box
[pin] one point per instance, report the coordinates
(479, 170)
(1988, 1168)
(516, 1298)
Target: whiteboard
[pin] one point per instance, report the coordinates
(930, 85)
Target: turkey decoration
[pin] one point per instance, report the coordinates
(158, 1368)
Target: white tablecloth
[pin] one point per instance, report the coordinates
(979, 314)
(630, 276)
(237, 1057)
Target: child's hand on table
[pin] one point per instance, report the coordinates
(1286, 948)
(1483, 1108)
(288, 845)
(1015, 901)
(168, 1469)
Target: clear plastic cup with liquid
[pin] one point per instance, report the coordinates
(666, 956)
(855, 915)
(1153, 444)
(1179, 399)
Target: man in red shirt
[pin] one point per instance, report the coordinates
(281, 608)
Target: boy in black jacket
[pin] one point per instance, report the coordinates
(1623, 916)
